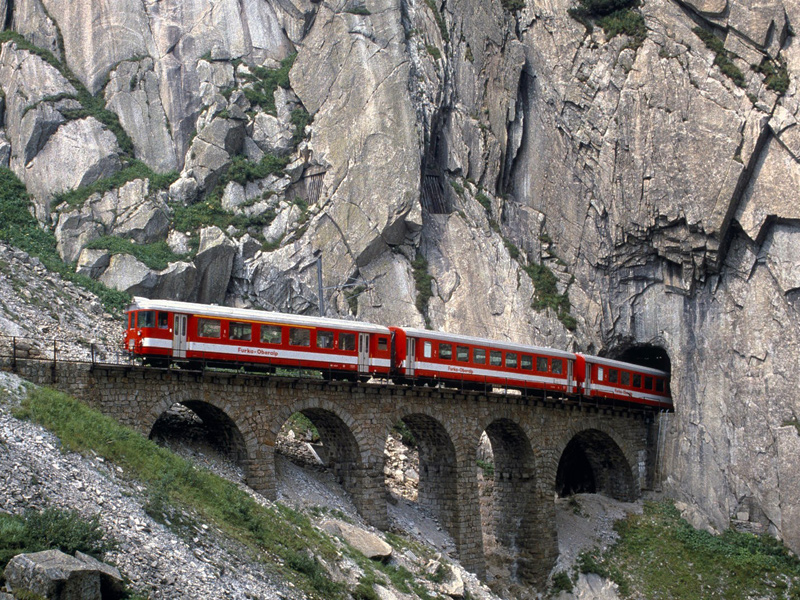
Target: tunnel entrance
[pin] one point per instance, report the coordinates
(645, 355)
(592, 462)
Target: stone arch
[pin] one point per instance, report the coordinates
(515, 515)
(237, 438)
(438, 467)
(346, 451)
(594, 458)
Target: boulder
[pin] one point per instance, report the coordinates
(184, 190)
(214, 264)
(369, 544)
(177, 282)
(57, 576)
(271, 135)
(138, 215)
(127, 274)
(233, 196)
(84, 151)
(93, 262)
(213, 148)
(283, 223)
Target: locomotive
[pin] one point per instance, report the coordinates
(161, 332)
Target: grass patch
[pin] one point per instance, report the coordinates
(281, 535)
(423, 281)
(20, 229)
(156, 256)
(485, 202)
(513, 5)
(663, 556)
(358, 10)
(562, 582)
(302, 427)
(136, 169)
(300, 119)
(723, 58)
(433, 51)
(264, 83)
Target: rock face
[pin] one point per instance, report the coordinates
(483, 146)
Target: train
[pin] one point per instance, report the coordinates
(165, 332)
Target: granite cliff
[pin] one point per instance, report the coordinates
(541, 177)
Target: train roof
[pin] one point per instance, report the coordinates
(466, 339)
(247, 314)
(623, 365)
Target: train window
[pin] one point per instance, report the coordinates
(324, 339)
(462, 354)
(599, 373)
(299, 336)
(495, 358)
(511, 360)
(558, 365)
(648, 383)
(146, 318)
(445, 351)
(383, 344)
(426, 350)
(347, 341)
(612, 375)
(271, 334)
(659, 385)
(637, 380)
(541, 364)
(209, 328)
(479, 356)
(526, 362)
(240, 331)
(624, 378)
(163, 320)
(131, 316)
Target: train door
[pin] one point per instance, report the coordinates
(570, 381)
(179, 336)
(363, 353)
(411, 345)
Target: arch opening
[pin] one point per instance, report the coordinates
(420, 468)
(199, 431)
(317, 439)
(592, 462)
(506, 486)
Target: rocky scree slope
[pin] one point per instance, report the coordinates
(489, 168)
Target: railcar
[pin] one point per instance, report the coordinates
(164, 331)
(477, 362)
(612, 379)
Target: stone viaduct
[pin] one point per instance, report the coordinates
(539, 443)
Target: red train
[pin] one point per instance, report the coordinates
(163, 331)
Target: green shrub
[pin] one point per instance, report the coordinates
(487, 468)
(776, 74)
(243, 170)
(406, 436)
(358, 10)
(562, 582)
(625, 22)
(513, 5)
(351, 295)
(433, 51)
(300, 119)
(423, 282)
(264, 83)
(723, 58)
